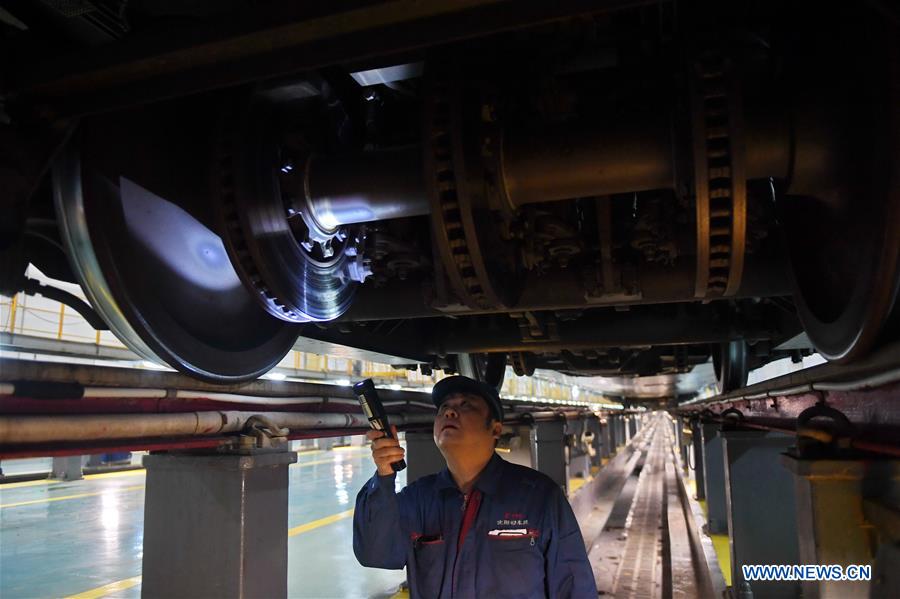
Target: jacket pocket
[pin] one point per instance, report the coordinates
(516, 563)
(426, 574)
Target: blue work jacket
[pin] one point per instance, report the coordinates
(523, 540)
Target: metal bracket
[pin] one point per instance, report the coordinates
(261, 433)
(731, 418)
(823, 441)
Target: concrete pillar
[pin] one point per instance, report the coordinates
(832, 497)
(516, 448)
(619, 430)
(67, 468)
(714, 480)
(422, 456)
(762, 519)
(611, 431)
(548, 451)
(886, 573)
(216, 525)
(698, 462)
(632, 426)
(606, 440)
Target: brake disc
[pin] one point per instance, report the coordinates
(299, 270)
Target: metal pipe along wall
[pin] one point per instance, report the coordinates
(64, 428)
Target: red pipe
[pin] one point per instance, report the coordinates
(876, 447)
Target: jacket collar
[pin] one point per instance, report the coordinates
(487, 481)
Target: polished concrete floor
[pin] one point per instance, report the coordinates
(84, 538)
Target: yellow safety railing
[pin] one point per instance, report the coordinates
(56, 320)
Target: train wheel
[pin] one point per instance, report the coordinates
(489, 368)
(132, 197)
(841, 225)
(730, 361)
(845, 289)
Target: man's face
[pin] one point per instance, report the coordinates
(464, 420)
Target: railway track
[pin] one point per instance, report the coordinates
(650, 546)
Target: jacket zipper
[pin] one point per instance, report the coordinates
(461, 539)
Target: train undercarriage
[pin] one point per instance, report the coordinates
(606, 188)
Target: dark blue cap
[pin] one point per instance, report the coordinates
(463, 384)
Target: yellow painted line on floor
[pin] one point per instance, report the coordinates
(66, 497)
(29, 483)
(401, 594)
(56, 481)
(723, 552)
(136, 472)
(119, 585)
(297, 530)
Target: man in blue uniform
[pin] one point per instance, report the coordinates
(481, 527)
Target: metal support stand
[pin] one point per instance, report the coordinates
(619, 431)
(835, 528)
(606, 439)
(422, 456)
(886, 573)
(762, 521)
(714, 480)
(548, 451)
(215, 525)
(699, 462)
(67, 468)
